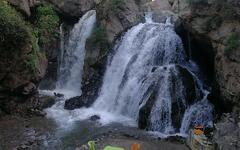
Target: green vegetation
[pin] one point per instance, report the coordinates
(115, 5)
(233, 43)
(47, 24)
(32, 58)
(14, 32)
(98, 38)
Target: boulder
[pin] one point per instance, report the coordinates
(76, 102)
(24, 5)
(46, 101)
(119, 17)
(94, 118)
(73, 8)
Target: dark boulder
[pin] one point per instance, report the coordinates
(75, 102)
(94, 118)
(46, 101)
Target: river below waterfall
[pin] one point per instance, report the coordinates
(38, 133)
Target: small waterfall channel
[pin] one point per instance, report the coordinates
(149, 82)
(73, 54)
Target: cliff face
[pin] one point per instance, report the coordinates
(218, 21)
(23, 60)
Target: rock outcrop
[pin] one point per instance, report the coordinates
(23, 64)
(227, 133)
(24, 5)
(218, 21)
(73, 8)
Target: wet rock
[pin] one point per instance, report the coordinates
(77, 102)
(90, 89)
(58, 94)
(94, 118)
(46, 101)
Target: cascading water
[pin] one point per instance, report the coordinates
(71, 66)
(73, 54)
(148, 62)
(148, 79)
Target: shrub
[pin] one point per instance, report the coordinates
(233, 43)
(14, 32)
(47, 24)
(98, 38)
(115, 6)
(32, 58)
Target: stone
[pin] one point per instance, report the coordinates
(73, 8)
(46, 101)
(77, 102)
(94, 118)
(24, 5)
(29, 88)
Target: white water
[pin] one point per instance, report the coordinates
(146, 60)
(130, 75)
(73, 54)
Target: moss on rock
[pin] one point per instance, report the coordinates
(13, 30)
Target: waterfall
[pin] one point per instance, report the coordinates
(73, 54)
(149, 76)
(148, 80)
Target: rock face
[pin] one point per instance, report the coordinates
(117, 16)
(22, 65)
(227, 132)
(217, 21)
(73, 8)
(24, 5)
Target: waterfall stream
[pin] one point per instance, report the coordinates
(148, 80)
(73, 54)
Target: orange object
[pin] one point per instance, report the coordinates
(198, 130)
(135, 147)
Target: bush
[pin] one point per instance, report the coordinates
(233, 43)
(98, 38)
(115, 6)
(47, 24)
(32, 58)
(14, 32)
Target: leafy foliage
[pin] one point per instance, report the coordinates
(32, 58)
(115, 6)
(98, 38)
(13, 30)
(47, 24)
